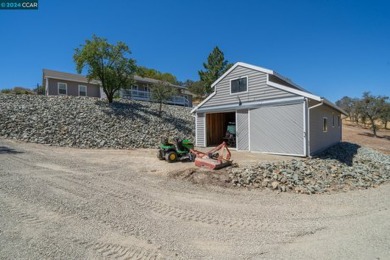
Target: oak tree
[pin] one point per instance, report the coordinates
(108, 63)
(161, 92)
(372, 107)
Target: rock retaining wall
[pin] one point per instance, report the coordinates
(342, 167)
(91, 123)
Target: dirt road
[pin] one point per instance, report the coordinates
(94, 204)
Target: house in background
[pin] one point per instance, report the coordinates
(141, 91)
(271, 114)
(62, 83)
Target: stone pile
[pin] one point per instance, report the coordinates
(345, 166)
(91, 123)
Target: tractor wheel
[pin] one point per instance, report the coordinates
(160, 154)
(171, 156)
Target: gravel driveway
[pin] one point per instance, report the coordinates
(99, 204)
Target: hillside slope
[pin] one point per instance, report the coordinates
(364, 137)
(91, 123)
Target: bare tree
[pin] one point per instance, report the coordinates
(371, 107)
(161, 92)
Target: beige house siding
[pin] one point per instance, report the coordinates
(139, 91)
(319, 139)
(72, 88)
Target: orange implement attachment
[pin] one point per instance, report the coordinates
(214, 159)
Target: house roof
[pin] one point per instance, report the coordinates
(295, 89)
(53, 74)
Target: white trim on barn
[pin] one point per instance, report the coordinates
(295, 91)
(257, 68)
(249, 130)
(304, 128)
(247, 85)
(267, 71)
(204, 101)
(204, 130)
(196, 127)
(236, 137)
(277, 116)
(249, 105)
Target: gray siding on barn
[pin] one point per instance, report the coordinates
(242, 130)
(200, 129)
(278, 129)
(318, 139)
(257, 89)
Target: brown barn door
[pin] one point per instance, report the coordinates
(216, 125)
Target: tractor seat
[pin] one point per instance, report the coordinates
(179, 145)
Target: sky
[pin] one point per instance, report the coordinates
(332, 48)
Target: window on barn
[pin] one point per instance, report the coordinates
(62, 88)
(333, 120)
(82, 91)
(325, 124)
(239, 85)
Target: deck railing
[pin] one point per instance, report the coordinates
(146, 96)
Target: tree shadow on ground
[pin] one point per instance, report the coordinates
(137, 110)
(378, 136)
(121, 109)
(7, 150)
(178, 123)
(344, 152)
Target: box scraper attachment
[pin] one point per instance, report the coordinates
(217, 158)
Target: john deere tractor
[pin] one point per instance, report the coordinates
(179, 150)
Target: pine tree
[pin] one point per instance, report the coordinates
(215, 67)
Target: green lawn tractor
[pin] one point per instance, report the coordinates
(179, 150)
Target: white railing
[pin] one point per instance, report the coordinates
(136, 94)
(145, 96)
(179, 100)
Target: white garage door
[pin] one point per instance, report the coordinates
(278, 129)
(242, 130)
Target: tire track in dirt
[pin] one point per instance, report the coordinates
(27, 213)
(110, 251)
(139, 198)
(171, 211)
(22, 210)
(16, 212)
(69, 212)
(80, 193)
(182, 214)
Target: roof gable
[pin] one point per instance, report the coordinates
(290, 87)
(257, 68)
